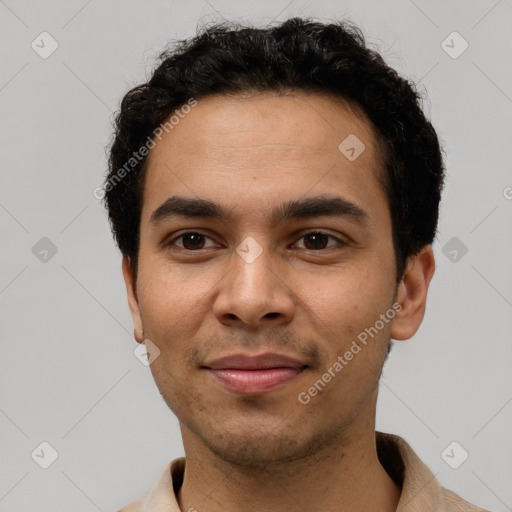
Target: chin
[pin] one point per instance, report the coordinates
(253, 451)
(252, 446)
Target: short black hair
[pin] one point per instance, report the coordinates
(331, 59)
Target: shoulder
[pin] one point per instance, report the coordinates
(162, 495)
(454, 503)
(420, 489)
(136, 506)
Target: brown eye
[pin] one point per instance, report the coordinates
(191, 241)
(317, 241)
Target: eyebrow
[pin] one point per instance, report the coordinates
(178, 206)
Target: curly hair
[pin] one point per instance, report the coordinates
(296, 55)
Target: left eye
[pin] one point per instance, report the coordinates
(316, 240)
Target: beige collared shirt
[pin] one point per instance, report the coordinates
(420, 490)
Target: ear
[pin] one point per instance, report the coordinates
(131, 292)
(412, 294)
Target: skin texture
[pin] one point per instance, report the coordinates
(249, 154)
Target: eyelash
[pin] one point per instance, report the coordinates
(316, 232)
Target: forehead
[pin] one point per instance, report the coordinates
(263, 146)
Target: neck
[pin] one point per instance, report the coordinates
(345, 476)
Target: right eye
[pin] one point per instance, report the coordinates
(190, 241)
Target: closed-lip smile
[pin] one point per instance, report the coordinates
(247, 374)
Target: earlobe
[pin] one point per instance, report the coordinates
(412, 294)
(133, 303)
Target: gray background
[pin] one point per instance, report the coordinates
(68, 375)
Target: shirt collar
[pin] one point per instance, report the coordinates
(420, 489)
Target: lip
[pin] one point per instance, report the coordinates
(254, 374)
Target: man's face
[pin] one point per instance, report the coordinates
(285, 291)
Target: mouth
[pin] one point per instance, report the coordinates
(254, 374)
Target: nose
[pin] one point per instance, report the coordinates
(254, 294)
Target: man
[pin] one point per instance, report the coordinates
(275, 194)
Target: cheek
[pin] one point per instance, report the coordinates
(343, 309)
(171, 297)
(345, 296)
(170, 308)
